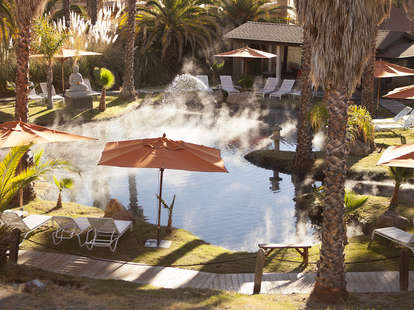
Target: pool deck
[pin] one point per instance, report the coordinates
(168, 277)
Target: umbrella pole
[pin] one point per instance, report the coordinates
(159, 209)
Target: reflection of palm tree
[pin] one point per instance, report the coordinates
(133, 197)
(100, 193)
(303, 200)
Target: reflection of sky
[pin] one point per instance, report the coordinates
(236, 210)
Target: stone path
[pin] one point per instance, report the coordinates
(168, 277)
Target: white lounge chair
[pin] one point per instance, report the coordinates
(227, 84)
(404, 112)
(43, 87)
(407, 123)
(33, 95)
(396, 235)
(269, 87)
(26, 225)
(68, 228)
(91, 91)
(284, 89)
(204, 79)
(106, 232)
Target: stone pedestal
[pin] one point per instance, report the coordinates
(79, 99)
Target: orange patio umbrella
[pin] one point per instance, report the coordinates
(17, 133)
(398, 156)
(405, 92)
(162, 153)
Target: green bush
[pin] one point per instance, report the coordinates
(245, 81)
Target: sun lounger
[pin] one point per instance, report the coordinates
(105, 232)
(396, 235)
(404, 112)
(284, 89)
(204, 79)
(408, 123)
(43, 87)
(33, 95)
(26, 225)
(68, 228)
(269, 87)
(227, 84)
(91, 91)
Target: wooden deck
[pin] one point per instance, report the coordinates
(168, 277)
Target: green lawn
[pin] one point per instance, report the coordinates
(188, 251)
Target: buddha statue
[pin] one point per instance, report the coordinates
(76, 81)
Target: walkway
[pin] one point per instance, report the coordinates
(167, 277)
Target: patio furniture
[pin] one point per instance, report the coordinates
(91, 91)
(33, 95)
(270, 86)
(106, 232)
(408, 123)
(26, 225)
(404, 112)
(43, 87)
(204, 79)
(68, 228)
(396, 235)
(284, 89)
(227, 84)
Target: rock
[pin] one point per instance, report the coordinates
(389, 219)
(33, 285)
(117, 211)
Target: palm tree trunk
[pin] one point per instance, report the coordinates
(22, 74)
(395, 197)
(59, 201)
(93, 10)
(49, 83)
(128, 86)
(66, 12)
(330, 279)
(368, 95)
(304, 156)
(102, 101)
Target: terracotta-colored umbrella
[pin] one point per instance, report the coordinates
(246, 52)
(162, 153)
(406, 92)
(16, 133)
(398, 156)
(64, 54)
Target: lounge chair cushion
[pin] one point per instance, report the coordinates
(395, 234)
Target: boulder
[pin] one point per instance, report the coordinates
(389, 219)
(117, 211)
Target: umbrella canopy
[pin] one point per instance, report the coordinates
(406, 92)
(398, 156)
(18, 133)
(162, 153)
(246, 52)
(383, 69)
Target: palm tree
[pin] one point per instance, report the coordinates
(25, 12)
(7, 30)
(65, 183)
(174, 26)
(400, 175)
(93, 10)
(341, 33)
(106, 79)
(304, 156)
(48, 42)
(128, 85)
(66, 12)
(368, 79)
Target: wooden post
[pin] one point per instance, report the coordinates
(404, 259)
(276, 137)
(260, 259)
(306, 256)
(14, 246)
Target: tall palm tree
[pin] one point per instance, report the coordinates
(66, 12)
(25, 12)
(341, 33)
(304, 157)
(367, 95)
(7, 30)
(175, 25)
(400, 175)
(93, 10)
(128, 85)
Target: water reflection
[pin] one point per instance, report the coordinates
(274, 181)
(136, 210)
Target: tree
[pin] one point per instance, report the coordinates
(368, 81)
(304, 156)
(128, 85)
(106, 79)
(48, 42)
(12, 181)
(66, 12)
(93, 10)
(25, 12)
(400, 175)
(64, 183)
(341, 33)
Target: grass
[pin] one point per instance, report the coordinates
(190, 252)
(39, 114)
(67, 292)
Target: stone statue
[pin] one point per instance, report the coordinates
(76, 81)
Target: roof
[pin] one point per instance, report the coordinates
(270, 32)
(394, 44)
(398, 21)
